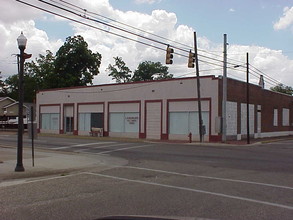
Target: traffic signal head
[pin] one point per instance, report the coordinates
(191, 60)
(169, 55)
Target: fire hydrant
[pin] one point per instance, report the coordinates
(190, 137)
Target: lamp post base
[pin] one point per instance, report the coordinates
(19, 168)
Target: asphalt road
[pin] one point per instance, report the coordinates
(161, 179)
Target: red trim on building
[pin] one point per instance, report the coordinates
(215, 138)
(164, 136)
(142, 135)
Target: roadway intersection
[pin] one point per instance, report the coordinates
(161, 179)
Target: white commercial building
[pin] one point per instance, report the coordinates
(162, 109)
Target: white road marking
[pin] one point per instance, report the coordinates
(81, 145)
(25, 181)
(111, 145)
(209, 177)
(126, 148)
(194, 190)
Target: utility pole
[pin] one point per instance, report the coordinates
(247, 97)
(198, 90)
(224, 99)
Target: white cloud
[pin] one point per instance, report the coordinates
(232, 10)
(286, 20)
(270, 62)
(159, 22)
(14, 21)
(147, 1)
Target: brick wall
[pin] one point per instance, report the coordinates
(268, 100)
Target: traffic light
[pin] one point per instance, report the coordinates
(191, 60)
(169, 55)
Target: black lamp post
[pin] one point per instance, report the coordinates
(21, 41)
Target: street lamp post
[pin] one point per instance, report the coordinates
(247, 98)
(21, 40)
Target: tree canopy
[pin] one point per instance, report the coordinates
(282, 89)
(73, 65)
(119, 71)
(149, 70)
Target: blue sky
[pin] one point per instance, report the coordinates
(264, 28)
(247, 22)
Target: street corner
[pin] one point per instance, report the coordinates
(46, 163)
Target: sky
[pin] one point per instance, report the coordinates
(261, 28)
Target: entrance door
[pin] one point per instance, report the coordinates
(153, 120)
(69, 125)
(68, 119)
(97, 120)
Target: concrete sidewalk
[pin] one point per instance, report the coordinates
(51, 163)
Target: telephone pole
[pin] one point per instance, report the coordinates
(224, 99)
(247, 97)
(198, 91)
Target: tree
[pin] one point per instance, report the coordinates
(75, 64)
(43, 70)
(30, 85)
(149, 70)
(119, 71)
(2, 86)
(283, 89)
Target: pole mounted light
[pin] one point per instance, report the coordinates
(21, 41)
(247, 98)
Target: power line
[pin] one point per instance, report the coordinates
(135, 28)
(214, 62)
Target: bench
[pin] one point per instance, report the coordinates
(98, 132)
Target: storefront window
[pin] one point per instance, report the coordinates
(186, 122)
(124, 122)
(50, 121)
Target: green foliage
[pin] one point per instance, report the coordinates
(2, 86)
(282, 89)
(119, 71)
(149, 70)
(30, 85)
(75, 64)
(43, 70)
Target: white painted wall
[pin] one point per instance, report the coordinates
(89, 108)
(142, 91)
(244, 118)
(231, 116)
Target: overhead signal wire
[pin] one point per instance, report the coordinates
(264, 74)
(106, 24)
(91, 26)
(127, 31)
(127, 25)
(121, 29)
(185, 50)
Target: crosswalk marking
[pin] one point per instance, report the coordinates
(126, 148)
(81, 145)
(111, 145)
